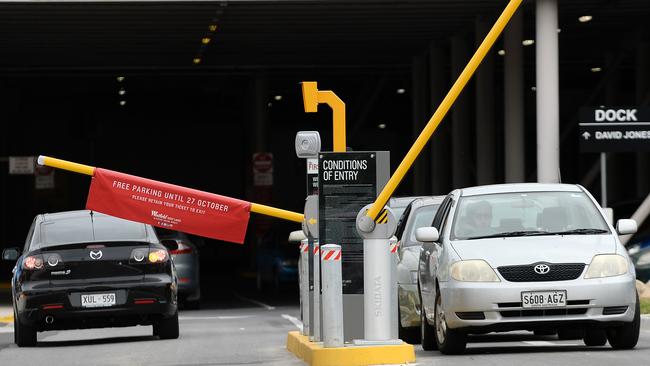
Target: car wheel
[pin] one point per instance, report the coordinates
(595, 337)
(427, 333)
(167, 328)
(410, 335)
(627, 336)
(449, 341)
(24, 335)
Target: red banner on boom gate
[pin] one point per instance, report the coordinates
(168, 206)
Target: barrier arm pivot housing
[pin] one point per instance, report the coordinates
(90, 170)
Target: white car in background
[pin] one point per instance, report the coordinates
(537, 257)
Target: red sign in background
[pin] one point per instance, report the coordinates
(168, 206)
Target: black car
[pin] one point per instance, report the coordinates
(83, 269)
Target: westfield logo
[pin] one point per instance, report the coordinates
(158, 215)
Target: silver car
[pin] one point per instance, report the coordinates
(537, 257)
(186, 261)
(417, 214)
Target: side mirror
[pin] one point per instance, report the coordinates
(626, 226)
(170, 244)
(296, 236)
(427, 234)
(10, 254)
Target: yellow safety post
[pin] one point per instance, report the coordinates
(312, 97)
(90, 170)
(443, 108)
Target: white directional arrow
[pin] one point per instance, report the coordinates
(586, 135)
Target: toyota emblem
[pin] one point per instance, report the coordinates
(95, 254)
(542, 269)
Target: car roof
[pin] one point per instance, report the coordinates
(519, 187)
(427, 201)
(84, 226)
(402, 201)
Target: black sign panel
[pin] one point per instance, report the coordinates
(312, 176)
(346, 182)
(614, 129)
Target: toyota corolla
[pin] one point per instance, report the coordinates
(82, 269)
(537, 257)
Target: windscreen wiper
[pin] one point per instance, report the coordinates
(583, 231)
(511, 233)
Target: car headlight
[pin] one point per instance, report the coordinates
(476, 270)
(607, 265)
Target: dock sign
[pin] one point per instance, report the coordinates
(614, 129)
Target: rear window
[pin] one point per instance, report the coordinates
(82, 229)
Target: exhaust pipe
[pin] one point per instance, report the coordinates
(49, 319)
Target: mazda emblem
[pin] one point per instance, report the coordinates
(542, 269)
(95, 254)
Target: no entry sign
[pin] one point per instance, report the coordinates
(168, 206)
(614, 129)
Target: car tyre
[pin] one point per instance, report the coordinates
(595, 337)
(427, 333)
(24, 335)
(449, 341)
(167, 328)
(410, 335)
(627, 336)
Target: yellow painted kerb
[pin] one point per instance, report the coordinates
(315, 355)
(443, 108)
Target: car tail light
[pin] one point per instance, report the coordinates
(52, 306)
(33, 262)
(158, 256)
(182, 249)
(144, 301)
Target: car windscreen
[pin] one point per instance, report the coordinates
(84, 230)
(526, 213)
(423, 216)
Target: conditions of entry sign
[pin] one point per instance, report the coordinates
(347, 182)
(614, 129)
(168, 206)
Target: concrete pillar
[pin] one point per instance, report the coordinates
(420, 119)
(461, 141)
(642, 78)
(440, 142)
(485, 128)
(513, 71)
(548, 91)
(618, 187)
